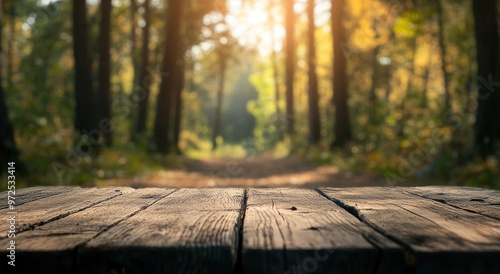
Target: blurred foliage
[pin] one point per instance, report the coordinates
(41, 100)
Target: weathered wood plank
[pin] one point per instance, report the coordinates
(45, 210)
(300, 231)
(442, 239)
(482, 201)
(189, 231)
(51, 247)
(26, 195)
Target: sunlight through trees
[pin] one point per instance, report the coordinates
(360, 83)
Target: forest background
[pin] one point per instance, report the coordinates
(97, 90)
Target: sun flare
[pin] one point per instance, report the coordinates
(256, 26)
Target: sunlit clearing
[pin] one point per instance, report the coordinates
(254, 25)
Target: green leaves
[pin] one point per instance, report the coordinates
(409, 24)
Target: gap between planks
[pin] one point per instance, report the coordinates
(27, 195)
(341, 202)
(436, 235)
(239, 261)
(198, 233)
(292, 230)
(473, 200)
(55, 244)
(38, 213)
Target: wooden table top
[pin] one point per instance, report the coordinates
(118, 230)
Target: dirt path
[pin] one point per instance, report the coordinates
(258, 172)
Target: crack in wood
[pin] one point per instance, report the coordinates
(443, 201)
(60, 216)
(238, 266)
(409, 252)
(125, 218)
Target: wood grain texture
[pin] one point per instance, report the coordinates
(52, 247)
(189, 231)
(331, 230)
(482, 201)
(26, 195)
(300, 231)
(440, 238)
(46, 210)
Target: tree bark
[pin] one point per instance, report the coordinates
(487, 125)
(342, 127)
(313, 97)
(220, 93)
(105, 69)
(8, 147)
(289, 63)
(85, 113)
(145, 81)
(168, 83)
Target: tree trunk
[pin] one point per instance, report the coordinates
(314, 120)
(373, 113)
(105, 69)
(274, 62)
(289, 63)
(168, 84)
(133, 40)
(8, 148)
(342, 127)
(178, 103)
(277, 96)
(85, 113)
(220, 93)
(373, 117)
(442, 52)
(427, 73)
(145, 81)
(409, 86)
(388, 75)
(10, 49)
(135, 66)
(488, 60)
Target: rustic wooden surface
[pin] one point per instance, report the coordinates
(330, 230)
(435, 235)
(299, 230)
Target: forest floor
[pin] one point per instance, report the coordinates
(254, 172)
